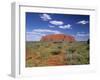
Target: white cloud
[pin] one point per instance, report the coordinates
(68, 26)
(46, 31)
(55, 22)
(33, 37)
(45, 17)
(36, 34)
(83, 22)
(82, 34)
(60, 24)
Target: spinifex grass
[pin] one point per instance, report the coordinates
(64, 53)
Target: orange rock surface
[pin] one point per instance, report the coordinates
(58, 37)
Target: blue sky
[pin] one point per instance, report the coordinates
(41, 24)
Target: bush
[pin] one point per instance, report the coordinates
(71, 50)
(55, 52)
(59, 47)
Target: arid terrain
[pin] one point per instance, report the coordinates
(50, 53)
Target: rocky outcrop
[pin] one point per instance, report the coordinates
(58, 37)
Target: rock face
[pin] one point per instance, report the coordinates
(58, 37)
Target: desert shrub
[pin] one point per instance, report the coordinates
(29, 63)
(59, 47)
(77, 58)
(87, 47)
(47, 44)
(45, 55)
(55, 52)
(73, 59)
(71, 50)
(69, 57)
(37, 46)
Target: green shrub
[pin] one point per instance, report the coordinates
(55, 52)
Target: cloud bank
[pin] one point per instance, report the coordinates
(36, 34)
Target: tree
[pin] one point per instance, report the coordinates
(88, 41)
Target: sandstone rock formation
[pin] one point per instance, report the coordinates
(58, 37)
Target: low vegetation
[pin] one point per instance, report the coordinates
(56, 53)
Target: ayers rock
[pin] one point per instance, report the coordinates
(58, 37)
